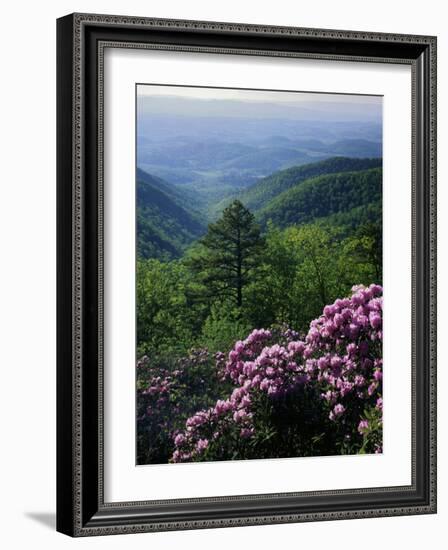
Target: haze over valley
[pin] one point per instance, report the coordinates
(288, 157)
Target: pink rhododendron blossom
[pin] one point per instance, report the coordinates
(339, 358)
(363, 426)
(201, 445)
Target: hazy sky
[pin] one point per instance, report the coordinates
(194, 101)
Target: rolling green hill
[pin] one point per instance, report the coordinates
(259, 194)
(324, 196)
(344, 192)
(165, 222)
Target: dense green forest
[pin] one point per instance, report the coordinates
(259, 194)
(273, 256)
(289, 276)
(317, 229)
(323, 196)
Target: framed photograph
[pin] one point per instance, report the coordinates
(246, 274)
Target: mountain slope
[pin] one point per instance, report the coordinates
(164, 226)
(182, 196)
(260, 193)
(323, 196)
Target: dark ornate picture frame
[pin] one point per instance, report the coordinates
(81, 509)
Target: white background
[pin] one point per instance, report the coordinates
(125, 482)
(27, 233)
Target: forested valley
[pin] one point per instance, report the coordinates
(246, 308)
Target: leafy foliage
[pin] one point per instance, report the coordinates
(168, 391)
(167, 321)
(306, 267)
(286, 396)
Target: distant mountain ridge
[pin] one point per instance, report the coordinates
(218, 157)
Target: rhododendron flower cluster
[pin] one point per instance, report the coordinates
(167, 393)
(340, 358)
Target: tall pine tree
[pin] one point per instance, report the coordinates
(229, 254)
